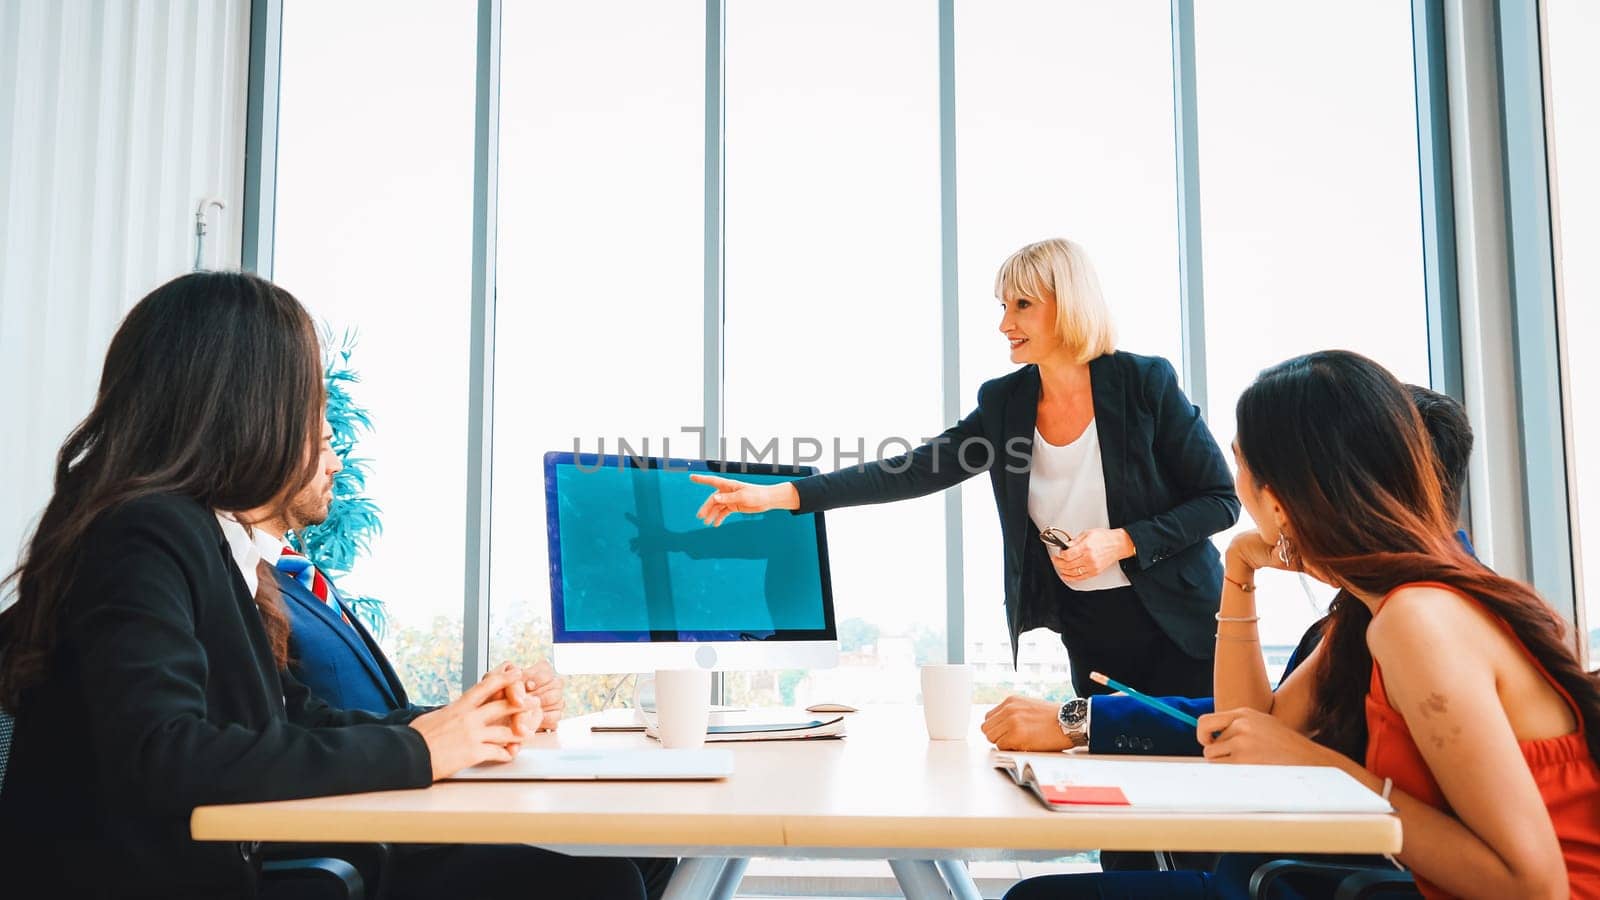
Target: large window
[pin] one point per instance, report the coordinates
(832, 302)
(1310, 210)
(374, 236)
(831, 258)
(599, 287)
(1572, 27)
(1064, 128)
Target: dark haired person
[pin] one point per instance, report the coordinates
(1085, 442)
(1119, 724)
(144, 655)
(1480, 724)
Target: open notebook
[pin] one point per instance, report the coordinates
(1067, 783)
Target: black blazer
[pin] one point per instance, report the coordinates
(161, 696)
(1166, 483)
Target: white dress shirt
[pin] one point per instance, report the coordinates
(248, 548)
(1067, 490)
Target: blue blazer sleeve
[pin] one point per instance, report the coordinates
(1121, 724)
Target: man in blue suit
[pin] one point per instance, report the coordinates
(1121, 725)
(330, 650)
(338, 660)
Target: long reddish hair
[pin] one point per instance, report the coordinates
(1343, 448)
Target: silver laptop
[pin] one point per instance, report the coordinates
(650, 764)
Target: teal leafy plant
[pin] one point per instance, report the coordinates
(353, 518)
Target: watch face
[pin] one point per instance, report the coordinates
(1074, 712)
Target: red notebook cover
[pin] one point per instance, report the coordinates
(1082, 795)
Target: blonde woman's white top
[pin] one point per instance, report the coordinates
(1067, 490)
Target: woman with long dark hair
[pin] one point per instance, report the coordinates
(1482, 728)
(144, 655)
(1481, 722)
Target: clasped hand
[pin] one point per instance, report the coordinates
(1092, 552)
(490, 721)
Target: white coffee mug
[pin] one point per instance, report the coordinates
(683, 707)
(947, 701)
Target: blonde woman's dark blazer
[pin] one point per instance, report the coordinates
(1167, 483)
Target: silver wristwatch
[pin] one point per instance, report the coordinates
(1074, 719)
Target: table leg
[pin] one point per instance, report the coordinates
(919, 879)
(959, 879)
(696, 878)
(728, 885)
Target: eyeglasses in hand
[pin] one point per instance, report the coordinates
(1055, 537)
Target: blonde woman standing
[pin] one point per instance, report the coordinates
(1094, 448)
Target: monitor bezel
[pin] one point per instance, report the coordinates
(595, 461)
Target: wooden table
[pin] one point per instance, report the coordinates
(884, 792)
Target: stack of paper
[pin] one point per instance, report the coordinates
(768, 725)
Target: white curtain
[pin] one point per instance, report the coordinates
(117, 118)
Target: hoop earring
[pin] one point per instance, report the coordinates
(1285, 549)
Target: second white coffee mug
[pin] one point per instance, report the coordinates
(683, 707)
(947, 701)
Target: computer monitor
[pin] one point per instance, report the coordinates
(638, 583)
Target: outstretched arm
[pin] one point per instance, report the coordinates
(961, 452)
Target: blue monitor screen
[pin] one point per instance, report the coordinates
(629, 561)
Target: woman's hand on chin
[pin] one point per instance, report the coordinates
(1248, 551)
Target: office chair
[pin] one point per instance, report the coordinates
(7, 726)
(371, 862)
(311, 877)
(1351, 882)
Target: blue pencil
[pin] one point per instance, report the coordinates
(1146, 699)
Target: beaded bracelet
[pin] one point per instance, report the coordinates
(1241, 619)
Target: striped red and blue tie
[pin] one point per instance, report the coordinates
(310, 577)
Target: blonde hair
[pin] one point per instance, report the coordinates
(1060, 269)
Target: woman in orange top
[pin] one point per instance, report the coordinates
(1482, 726)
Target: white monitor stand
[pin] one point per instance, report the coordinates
(613, 658)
